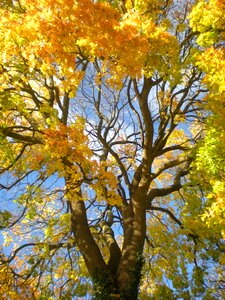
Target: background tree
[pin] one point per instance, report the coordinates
(102, 115)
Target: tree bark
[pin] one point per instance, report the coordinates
(129, 270)
(84, 239)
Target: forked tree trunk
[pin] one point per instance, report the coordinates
(120, 277)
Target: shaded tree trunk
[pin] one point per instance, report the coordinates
(120, 277)
(129, 270)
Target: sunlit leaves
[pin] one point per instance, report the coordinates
(30, 34)
(207, 17)
(207, 20)
(11, 288)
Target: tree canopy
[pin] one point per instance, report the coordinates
(112, 143)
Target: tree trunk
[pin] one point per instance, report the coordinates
(84, 239)
(120, 277)
(129, 270)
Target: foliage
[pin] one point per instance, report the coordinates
(112, 149)
(210, 160)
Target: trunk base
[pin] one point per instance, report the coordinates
(106, 287)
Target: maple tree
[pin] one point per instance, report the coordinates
(112, 168)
